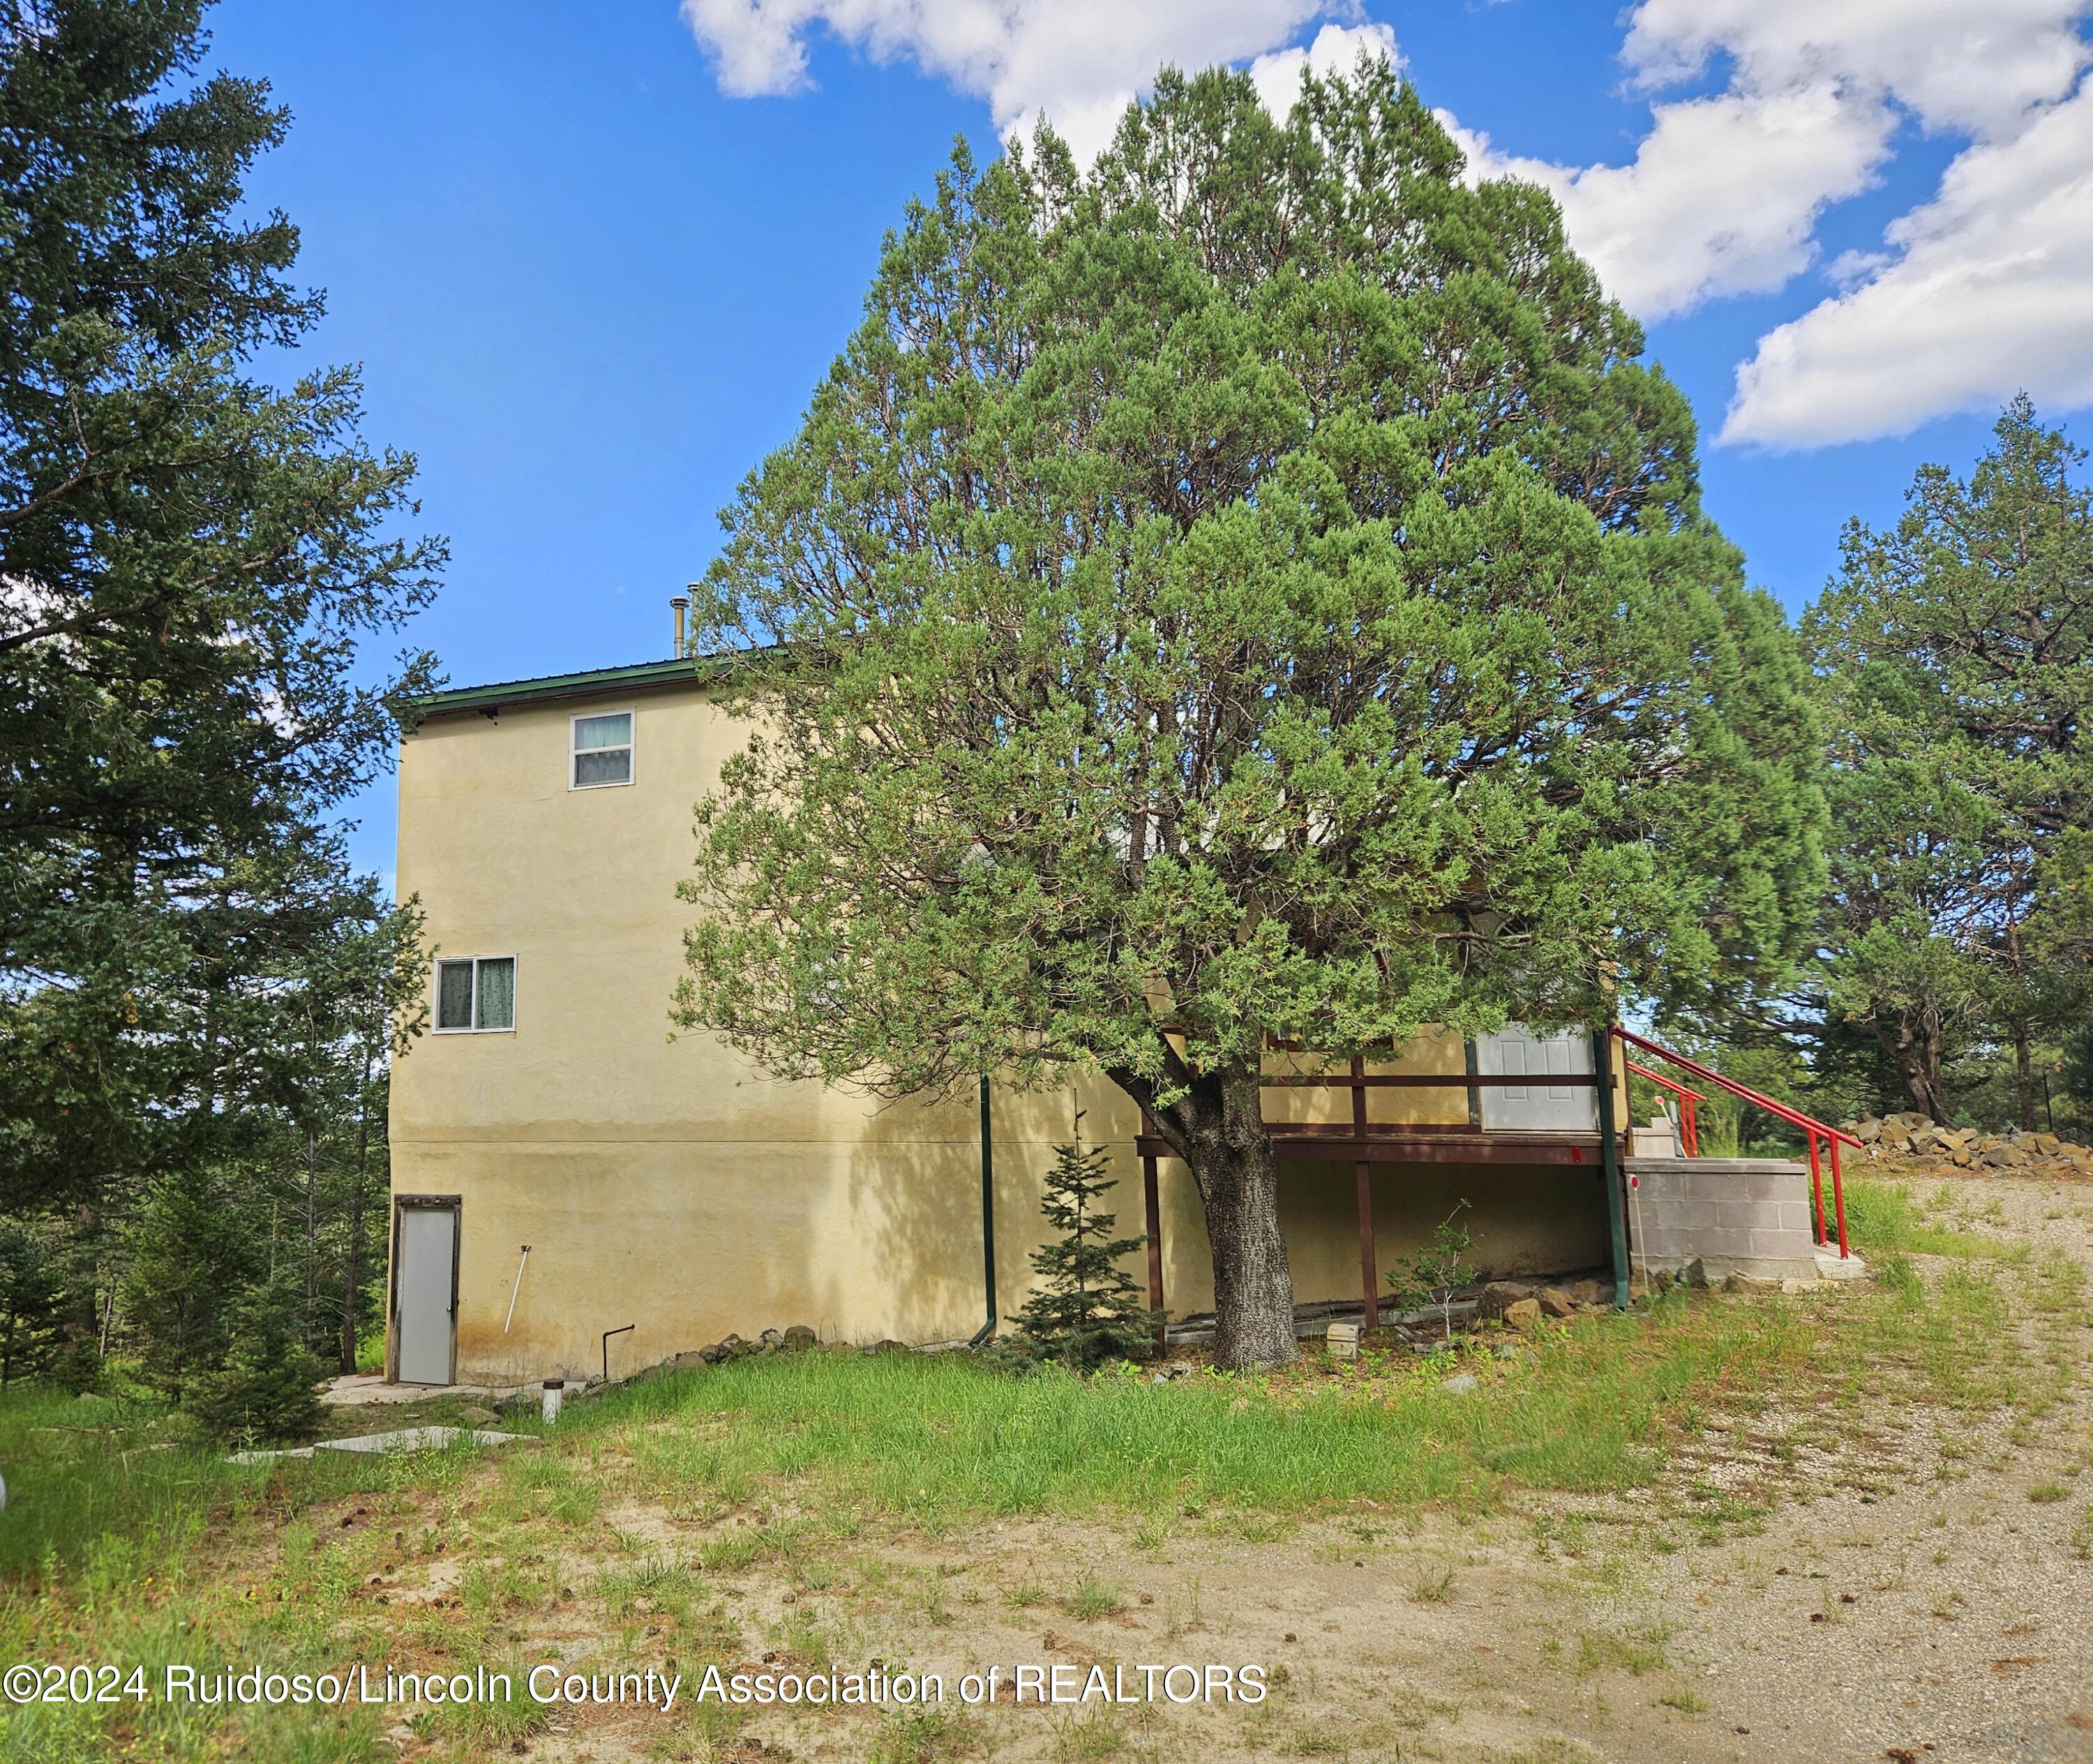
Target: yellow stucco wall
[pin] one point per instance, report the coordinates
(664, 1182)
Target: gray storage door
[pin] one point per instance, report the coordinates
(424, 1284)
(1519, 1051)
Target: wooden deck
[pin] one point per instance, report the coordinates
(1363, 1143)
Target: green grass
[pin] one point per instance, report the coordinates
(1635, 1652)
(1091, 1599)
(125, 1539)
(85, 1473)
(1887, 1216)
(928, 1440)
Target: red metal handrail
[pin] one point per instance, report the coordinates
(1689, 1130)
(1812, 1129)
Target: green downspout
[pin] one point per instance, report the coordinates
(1609, 1160)
(988, 1219)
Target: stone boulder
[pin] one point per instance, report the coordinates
(1499, 1295)
(799, 1338)
(1522, 1314)
(1554, 1301)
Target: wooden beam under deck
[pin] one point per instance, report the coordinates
(1295, 1143)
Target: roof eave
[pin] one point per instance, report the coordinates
(643, 676)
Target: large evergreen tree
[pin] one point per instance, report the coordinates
(1249, 590)
(1957, 648)
(193, 564)
(191, 560)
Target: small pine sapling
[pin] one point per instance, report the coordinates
(267, 1391)
(1088, 1310)
(1436, 1271)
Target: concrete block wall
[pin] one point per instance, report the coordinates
(1735, 1215)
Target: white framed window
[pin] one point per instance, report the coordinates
(600, 749)
(475, 994)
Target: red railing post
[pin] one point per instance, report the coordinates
(1839, 1199)
(1817, 1186)
(1689, 1136)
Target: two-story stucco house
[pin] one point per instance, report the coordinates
(574, 1185)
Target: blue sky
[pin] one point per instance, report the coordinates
(590, 289)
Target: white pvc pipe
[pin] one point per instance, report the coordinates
(515, 1289)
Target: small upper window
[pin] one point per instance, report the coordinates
(476, 992)
(602, 751)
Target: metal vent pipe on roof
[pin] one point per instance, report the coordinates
(679, 605)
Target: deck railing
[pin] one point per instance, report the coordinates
(1689, 1131)
(1817, 1132)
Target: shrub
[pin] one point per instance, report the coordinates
(1089, 1309)
(1436, 1271)
(266, 1392)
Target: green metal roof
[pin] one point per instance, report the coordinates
(638, 676)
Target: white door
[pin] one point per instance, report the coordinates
(423, 1284)
(1517, 1051)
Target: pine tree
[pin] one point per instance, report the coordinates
(1956, 649)
(266, 1392)
(1089, 1310)
(29, 1294)
(1266, 550)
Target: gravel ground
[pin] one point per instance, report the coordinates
(1938, 1607)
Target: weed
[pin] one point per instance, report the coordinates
(1090, 1738)
(1433, 1589)
(1635, 1651)
(923, 1737)
(1091, 1599)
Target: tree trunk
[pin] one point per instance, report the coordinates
(2023, 1075)
(352, 1272)
(80, 1332)
(1219, 1129)
(2023, 1064)
(1913, 1042)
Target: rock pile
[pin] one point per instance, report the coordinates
(795, 1340)
(1912, 1137)
(1520, 1304)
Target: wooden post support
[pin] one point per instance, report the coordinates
(1369, 1274)
(1610, 1160)
(1154, 1206)
(1369, 1271)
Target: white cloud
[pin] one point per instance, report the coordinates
(1980, 291)
(1078, 62)
(1973, 66)
(1722, 196)
(1988, 290)
(1336, 48)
